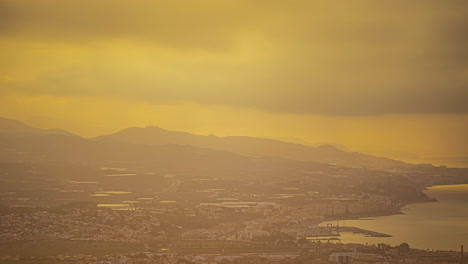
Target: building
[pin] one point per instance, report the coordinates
(344, 258)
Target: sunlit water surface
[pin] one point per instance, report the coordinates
(432, 225)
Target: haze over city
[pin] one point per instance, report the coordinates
(233, 131)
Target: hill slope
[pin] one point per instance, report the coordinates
(14, 126)
(166, 159)
(251, 146)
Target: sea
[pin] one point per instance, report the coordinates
(441, 225)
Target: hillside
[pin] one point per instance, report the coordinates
(14, 126)
(251, 146)
(240, 145)
(166, 159)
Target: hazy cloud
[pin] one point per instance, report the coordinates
(331, 58)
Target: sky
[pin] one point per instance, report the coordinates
(374, 76)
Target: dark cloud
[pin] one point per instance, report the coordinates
(189, 24)
(334, 58)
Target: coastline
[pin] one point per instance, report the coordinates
(369, 217)
(423, 225)
(397, 211)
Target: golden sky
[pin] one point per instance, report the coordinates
(371, 75)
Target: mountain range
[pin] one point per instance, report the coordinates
(252, 146)
(157, 145)
(14, 126)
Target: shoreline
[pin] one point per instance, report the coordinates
(369, 217)
(392, 224)
(394, 212)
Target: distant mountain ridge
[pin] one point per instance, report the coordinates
(165, 159)
(251, 146)
(238, 145)
(307, 143)
(14, 126)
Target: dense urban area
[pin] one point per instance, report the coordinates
(113, 215)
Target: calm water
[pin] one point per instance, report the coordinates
(433, 225)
